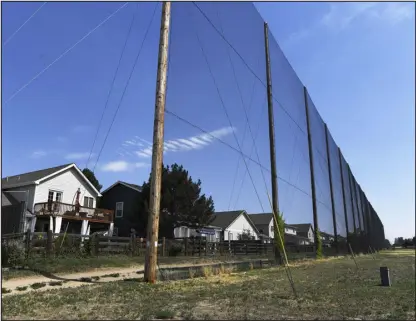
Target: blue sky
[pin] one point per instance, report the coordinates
(356, 59)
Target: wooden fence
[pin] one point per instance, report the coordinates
(48, 244)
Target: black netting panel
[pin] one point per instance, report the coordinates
(336, 173)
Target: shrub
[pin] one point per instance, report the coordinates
(175, 250)
(318, 244)
(37, 285)
(13, 253)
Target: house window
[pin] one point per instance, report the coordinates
(54, 196)
(88, 202)
(119, 209)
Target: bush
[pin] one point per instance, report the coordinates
(175, 250)
(13, 253)
(318, 245)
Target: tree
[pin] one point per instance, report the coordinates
(181, 202)
(246, 235)
(91, 177)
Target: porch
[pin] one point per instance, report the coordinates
(61, 217)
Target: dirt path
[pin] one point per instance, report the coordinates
(74, 279)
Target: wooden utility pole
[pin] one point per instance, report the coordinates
(311, 168)
(275, 201)
(157, 153)
(334, 218)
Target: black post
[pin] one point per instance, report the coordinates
(334, 219)
(275, 201)
(311, 168)
(343, 195)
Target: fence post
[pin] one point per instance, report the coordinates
(95, 244)
(206, 247)
(200, 246)
(49, 238)
(28, 243)
(246, 248)
(312, 176)
(186, 246)
(133, 243)
(163, 246)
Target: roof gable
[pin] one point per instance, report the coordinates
(261, 219)
(302, 228)
(36, 177)
(225, 219)
(129, 185)
(30, 177)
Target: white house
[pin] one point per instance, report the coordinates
(211, 233)
(294, 234)
(233, 224)
(51, 196)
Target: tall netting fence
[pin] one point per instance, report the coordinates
(292, 156)
(341, 220)
(217, 133)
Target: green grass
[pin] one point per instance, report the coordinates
(55, 283)
(327, 289)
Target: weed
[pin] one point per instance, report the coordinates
(4, 290)
(37, 285)
(21, 288)
(95, 278)
(55, 283)
(191, 273)
(84, 279)
(165, 314)
(207, 271)
(112, 275)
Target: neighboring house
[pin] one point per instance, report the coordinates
(233, 224)
(265, 224)
(211, 233)
(306, 231)
(123, 198)
(51, 194)
(14, 214)
(327, 239)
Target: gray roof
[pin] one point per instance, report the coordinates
(224, 219)
(264, 219)
(7, 199)
(261, 219)
(30, 177)
(132, 185)
(302, 228)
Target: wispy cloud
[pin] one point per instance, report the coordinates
(185, 144)
(341, 16)
(123, 166)
(78, 156)
(80, 129)
(39, 154)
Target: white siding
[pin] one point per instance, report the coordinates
(238, 227)
(290, 231)
(68, 183)
(16, 192)
(271, 229)
(310, 235)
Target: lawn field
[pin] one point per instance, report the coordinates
(327, 289)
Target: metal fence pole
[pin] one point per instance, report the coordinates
(334, 219)
(312, 175)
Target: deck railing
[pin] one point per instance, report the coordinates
(73, 211)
